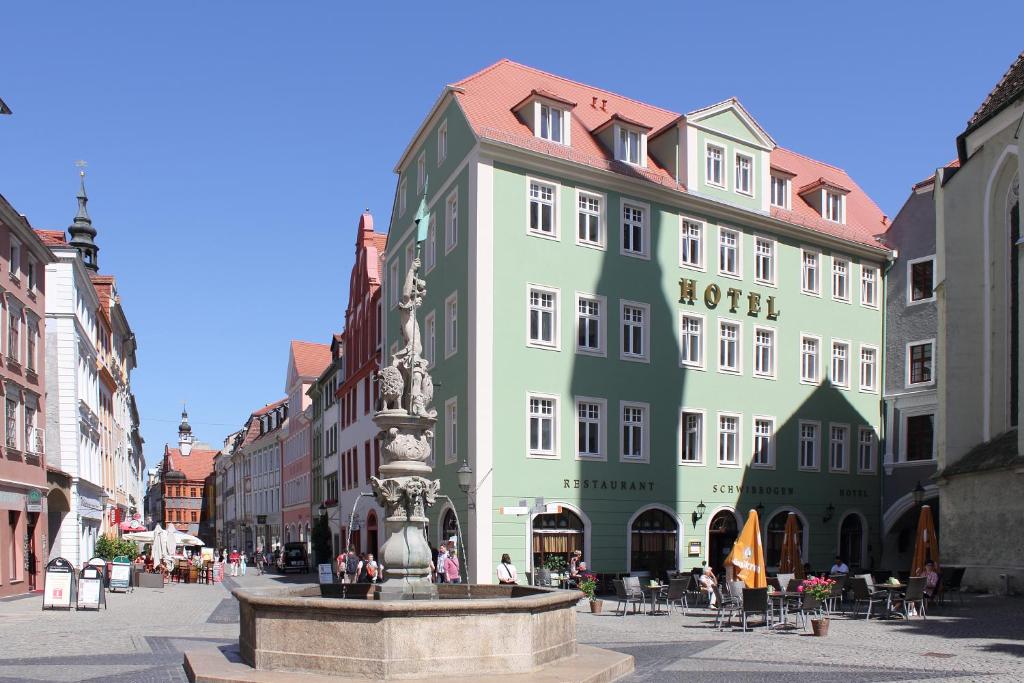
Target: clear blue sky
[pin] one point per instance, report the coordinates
(232, 145)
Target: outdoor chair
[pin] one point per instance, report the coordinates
(675, 594)
(914, 596)
(773, 583)
(793, 585)
(807, 607)
(735, 589)
(543, 578)
(838, 589)
(950, 581)
(784, 580)
(755, 601)
(727, 605)
(625, 596)
(868, 578)
(863, 594)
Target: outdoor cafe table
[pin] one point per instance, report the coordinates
(889, 588)
(651, 592)
(783, 598)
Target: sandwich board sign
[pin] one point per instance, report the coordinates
(90, 588)
(121, 573)
(326, 573)
(58, 584)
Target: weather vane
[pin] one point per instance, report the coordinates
(81, 164)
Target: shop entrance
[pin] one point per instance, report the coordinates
(722, 533)
(654, 542)
(555, 538)
(776, 534)
(851, 541)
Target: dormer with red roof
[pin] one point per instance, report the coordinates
(548, 115)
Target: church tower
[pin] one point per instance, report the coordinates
(82, 232)
(185, 437)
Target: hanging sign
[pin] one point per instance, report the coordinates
(58, 584)
(326, 573)
(121, 573)
(34, 501)
(90, 588)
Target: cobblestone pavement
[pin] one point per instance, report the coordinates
(141, 636)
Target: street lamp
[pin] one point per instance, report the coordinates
(323, 510)
(698, 514)
(829, 511)
(918, 494)
(760, 509)
(465, 475)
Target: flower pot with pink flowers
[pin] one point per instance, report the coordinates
(820, 589)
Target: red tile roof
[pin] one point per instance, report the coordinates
(1007, 89)
(252, 431)
(931, 179)
(489, 96)
(104, 286)
(196, 466)
(310, 357)
(53, 238)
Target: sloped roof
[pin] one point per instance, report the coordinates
(196, 466)
(931, 179)
(310, 357)
(53, 238)
(998, 454)
(489, 96)
(252, 431)
(1009, 87)
(104, 286)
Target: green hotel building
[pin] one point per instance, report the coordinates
(654, 322)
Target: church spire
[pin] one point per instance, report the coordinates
(185, 438)
(82, 232)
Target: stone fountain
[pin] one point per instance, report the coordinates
(407, 627)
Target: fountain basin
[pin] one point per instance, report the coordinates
(469, 631)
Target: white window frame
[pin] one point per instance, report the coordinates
(645, 356)
(602, 428)
(708, 145)
(430, 338)
(395, 288)
(410, 254)
(773, 260)
(602, 324)
(873, 387)
(556, 343)
(827, 195)
(700, 364)
(684, 238)
(451, 430)
(451, 221)
(421, 171)
(14, 262)
(832, 363)
(718, 439)
(722, 232)
(602, 219)
(451, 341)
(641, 145)
(845, 444)
(442, 142)
(772, 351)
(556, 432)
(645, 435)
(910, 280)
(749, 192)
(645, 229)
(804, 251)
(876, 280)
(836, 261)
(738, 370)
(874, 449)
(430, 248)
(403, 196)
(816, 467)
(909, 363)
(701, 437)
(554, 188)
(563, 122)
(772, 440)
(787, 183)
(905, 416)
(817, 363)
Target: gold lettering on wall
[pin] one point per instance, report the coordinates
(687, 290)
(734, 298)
(713, 296)
(773, 313)
(753, 303)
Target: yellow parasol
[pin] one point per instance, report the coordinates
(926, 548)
(747, 555)
(789, 562)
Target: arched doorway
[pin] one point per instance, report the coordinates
(851, 540)
(449, 527)
(371, 533)
(775, 533)
(57, 507)
(555, 537)
(722, 532)
(654, 543)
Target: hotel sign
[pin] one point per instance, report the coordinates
(712, 296)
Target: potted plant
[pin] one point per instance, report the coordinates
(588, 584)
(821, 589)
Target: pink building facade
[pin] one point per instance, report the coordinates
(23, 484)
(306, 361)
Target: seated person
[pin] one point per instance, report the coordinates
(576, 574)
(839, 567)
(708, 584)
(931, 586)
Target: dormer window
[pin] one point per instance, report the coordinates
(629, 146)
(835, 206)
(715, 171)
(552, 121)
(780, 191)
(744, 174)
(547, 115)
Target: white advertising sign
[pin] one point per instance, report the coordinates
(89, 592)
(57, 589)
(326, 573)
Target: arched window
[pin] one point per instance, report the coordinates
(851, 541)
(555, 537)
(371, 533)
(654, 542)
(722, 532)
(776, 532)
(1013, 225)
(449, 526)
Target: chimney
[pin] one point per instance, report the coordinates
(593, 103)
(603, 104)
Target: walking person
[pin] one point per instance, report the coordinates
(506, 571)
(451, 568)
(243, 562)
(233, 560)
(442, 556)
(351, 565)
(259, 561)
